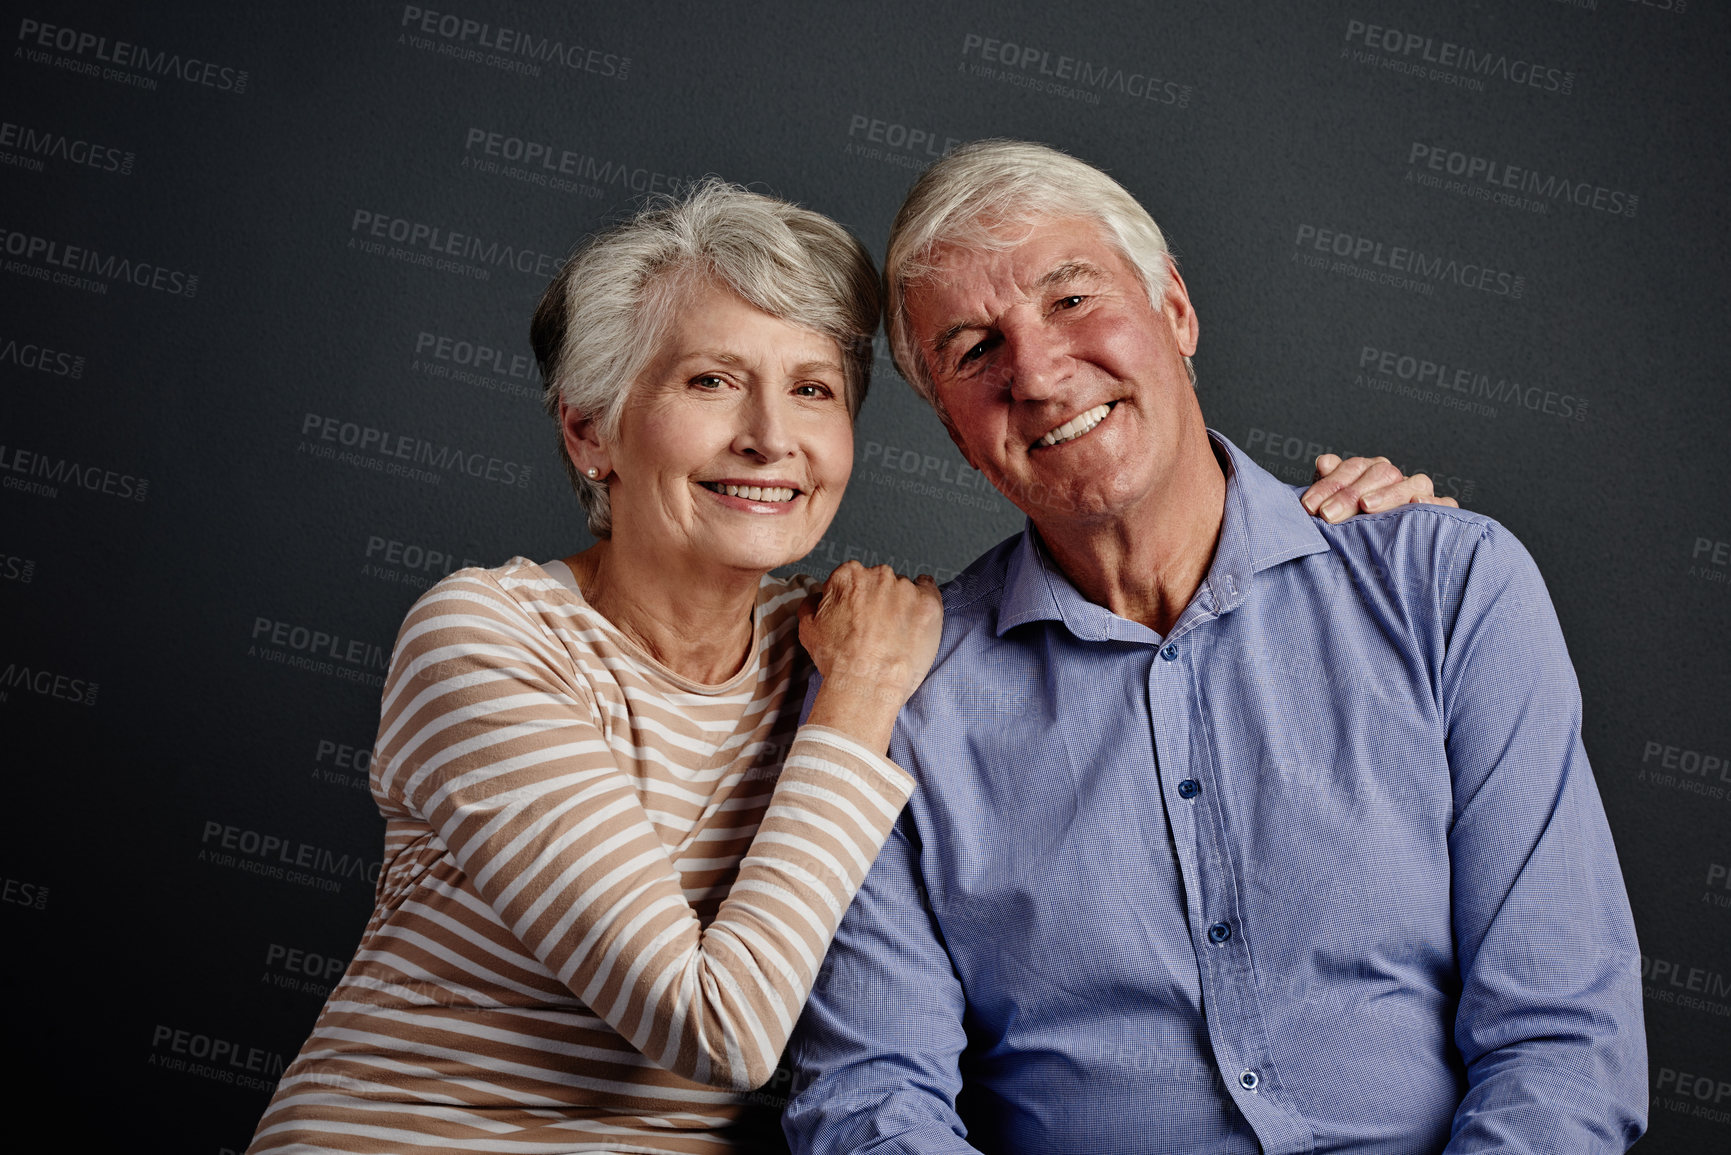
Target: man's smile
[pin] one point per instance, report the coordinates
(1075, 427)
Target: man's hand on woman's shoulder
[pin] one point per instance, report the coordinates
(1365, 485)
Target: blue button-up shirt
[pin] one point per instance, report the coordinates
(1322, 869)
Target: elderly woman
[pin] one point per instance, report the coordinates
(614, 858)
(614, 855)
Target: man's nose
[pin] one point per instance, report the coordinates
(1037, 363)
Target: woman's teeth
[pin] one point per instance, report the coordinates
(754, 492)
(1076, 426)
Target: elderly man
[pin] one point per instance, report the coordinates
(1235, 830)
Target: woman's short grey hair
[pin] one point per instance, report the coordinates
(978, 197)
(606, 314)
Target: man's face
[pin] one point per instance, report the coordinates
(1057, 378)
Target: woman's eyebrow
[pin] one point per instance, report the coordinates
(820, 366)
(738, 361)
(723, 356)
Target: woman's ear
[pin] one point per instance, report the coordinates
(583, 442)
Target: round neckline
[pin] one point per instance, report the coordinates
(567, 583)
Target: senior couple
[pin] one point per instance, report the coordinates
(1189, 822)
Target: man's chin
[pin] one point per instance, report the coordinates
(1062, 510)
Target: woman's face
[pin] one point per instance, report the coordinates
(735, 444)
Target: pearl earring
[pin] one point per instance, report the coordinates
(593, 473)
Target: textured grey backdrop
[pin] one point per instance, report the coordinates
(264, 376)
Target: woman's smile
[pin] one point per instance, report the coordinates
(754, 496)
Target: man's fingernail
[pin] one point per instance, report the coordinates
(1334, 510)
(1372, 501)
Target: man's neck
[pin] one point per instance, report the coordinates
(1147, 564)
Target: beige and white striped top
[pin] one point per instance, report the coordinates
(607, 888)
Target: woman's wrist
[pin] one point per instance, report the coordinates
(862, 706)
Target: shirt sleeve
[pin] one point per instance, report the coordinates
(484, 739)
(1550, 1020)
(875, 1058)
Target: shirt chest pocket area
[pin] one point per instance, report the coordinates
(1053, 896)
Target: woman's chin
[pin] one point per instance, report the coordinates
(771, 547)
(758, 557)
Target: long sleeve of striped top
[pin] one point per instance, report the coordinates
(490, 735)
(601, 880)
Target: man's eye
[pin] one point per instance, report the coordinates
(1069, 302)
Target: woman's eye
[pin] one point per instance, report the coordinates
(813, 389)
(708, 381)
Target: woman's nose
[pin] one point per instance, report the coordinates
(763, 431)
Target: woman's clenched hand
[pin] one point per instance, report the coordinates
(872, 635)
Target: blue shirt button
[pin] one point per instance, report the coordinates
(1189, 788)
(1219, 933)
(1170, 653)
(1248, 1080)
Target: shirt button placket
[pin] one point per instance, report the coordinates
(1175, 757)
(1220, 932)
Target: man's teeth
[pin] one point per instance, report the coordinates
(1076, 426)
(757, 492)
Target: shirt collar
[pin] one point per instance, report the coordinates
(1263, 525)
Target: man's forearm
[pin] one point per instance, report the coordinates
(890, 1125)
(1526, 1108)
(876, 1050)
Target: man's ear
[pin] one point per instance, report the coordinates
(1175, 306)
(584, 443)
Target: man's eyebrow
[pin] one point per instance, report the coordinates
(1067, 273)
(943, 339)
(1071, 271)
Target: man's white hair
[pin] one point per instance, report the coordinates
(984, 197)
(606, 314)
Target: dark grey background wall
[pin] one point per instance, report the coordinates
(264, 376)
